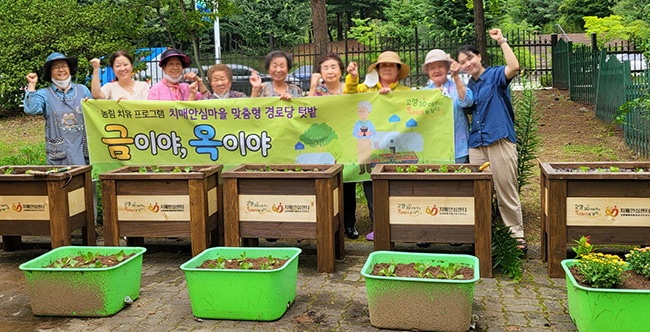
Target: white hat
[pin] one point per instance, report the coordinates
(435, 56)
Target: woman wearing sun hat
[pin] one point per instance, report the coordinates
(170, 87)
(383, 77)
(60, 105)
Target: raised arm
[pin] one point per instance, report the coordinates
(512, 64)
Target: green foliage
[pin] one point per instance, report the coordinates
(506, 257)
(28, 155)
(639, 260)
(527, 129)
(318, 135)
(583, 247)
(449, 271)
(285, 23)
(607, 28)
(573, 11)
(388, 271)
(600, 270)
(32, 29)
(421, 268)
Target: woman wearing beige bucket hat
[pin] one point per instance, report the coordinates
(383, 76)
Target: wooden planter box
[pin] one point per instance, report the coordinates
(613, 207)
(51, 205)
(165, 204)
(280, 204)
(433, 207)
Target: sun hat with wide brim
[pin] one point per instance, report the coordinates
(392, 57)
(47, 68)
(170, 53)
(435, 56)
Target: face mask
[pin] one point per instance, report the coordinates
(172, 79)
(62, 84)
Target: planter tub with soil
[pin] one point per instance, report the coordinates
(421, 304)
(605, 309)
(261, 295)
(84, 292)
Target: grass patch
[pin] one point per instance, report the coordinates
(21, 131)
(598, 152)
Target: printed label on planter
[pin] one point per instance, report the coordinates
(431, 210)
(24, 208)
(153, 208)
(607, 211)
(212, 201)
(76, 201)
(284, 208)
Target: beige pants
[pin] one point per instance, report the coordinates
(502, 156)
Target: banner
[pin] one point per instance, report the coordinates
(358, 130)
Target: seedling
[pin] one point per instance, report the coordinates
(583, 169)
(388, 271)
(443, 169)
(422, 270)
(142, 169)
(7, 170)
(463, 169)
(412, 169)
(399, 169)
(449, 272)
(614, 169)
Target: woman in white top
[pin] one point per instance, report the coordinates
(125, 87)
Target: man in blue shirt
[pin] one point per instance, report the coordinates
(492, 132)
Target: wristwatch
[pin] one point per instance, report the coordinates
(501, 41)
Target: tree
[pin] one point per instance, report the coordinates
(573, 11)
(32, 29)
(261, 24)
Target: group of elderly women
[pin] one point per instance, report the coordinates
(491, 136)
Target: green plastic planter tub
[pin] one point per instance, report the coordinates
(604, 309)
(261, 295)
(85, 292)
(420, 304)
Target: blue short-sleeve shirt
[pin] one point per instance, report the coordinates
(493, 118)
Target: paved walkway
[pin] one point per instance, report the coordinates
(324, 302)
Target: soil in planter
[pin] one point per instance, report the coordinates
(268, 168)
(586, 169)
(90, 260)
(629, 280)
(247, 263)
(431, 272)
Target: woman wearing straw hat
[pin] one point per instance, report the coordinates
(60, 105)
(170, 87)
(383, 77)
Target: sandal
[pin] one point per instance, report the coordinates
(522, 245)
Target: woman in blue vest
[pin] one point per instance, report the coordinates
(60, 105)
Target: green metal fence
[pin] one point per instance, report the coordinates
(613, 79)
(637, 121)
(561, 72)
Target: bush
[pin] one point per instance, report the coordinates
(639, 260)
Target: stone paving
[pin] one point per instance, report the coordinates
(324, 302)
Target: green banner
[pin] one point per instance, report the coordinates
(358, 130)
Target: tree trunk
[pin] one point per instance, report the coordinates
(195, 41)
(319, 25)
(479, 28)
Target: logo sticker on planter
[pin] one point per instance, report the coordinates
(24, 208)
(285, 208)
(609, 211)
(431, 210)
(153, 208)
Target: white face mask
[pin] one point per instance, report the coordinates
(172, 79)
(62, 84)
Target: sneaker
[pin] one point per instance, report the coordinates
(370, 236)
